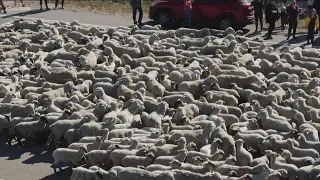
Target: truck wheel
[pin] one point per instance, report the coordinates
(164, 18)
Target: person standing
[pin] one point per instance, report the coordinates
(2, 6)
(187, 7)
(284, 15)
(293, 13)
(311, 26)
(56, 4)
(15, 3)
(46, 3)
(258, 15)
(136, 6)
(271, 17)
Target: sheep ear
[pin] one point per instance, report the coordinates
(99, 175)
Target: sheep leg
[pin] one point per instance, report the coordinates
(10, 139)
(50, 138)
(19, 141)
(54, 168)
(56, 142)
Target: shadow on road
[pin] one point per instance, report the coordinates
(60, 175)
(13, 153)
(33, 11)
(299, 39)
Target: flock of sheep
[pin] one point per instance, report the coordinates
(148, 104)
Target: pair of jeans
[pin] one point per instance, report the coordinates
(46, 2)
(292, 26)
(62, 3)
(187, 18)
(272, 24)
(258, 17)
(134, 14)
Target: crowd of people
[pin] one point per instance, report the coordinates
(23, 5)
(288, 13)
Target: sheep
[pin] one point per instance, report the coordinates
(67, 155)
(23, 129)
(59, 128)
(214, 157)
(298, 152)
(140, 174)
(99, 157)
(292, 169)
(117, 155)
(135, 161)
(83, 173)
(166, 160)
(299, 162)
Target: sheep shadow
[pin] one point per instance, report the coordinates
(25, 13)
(39, 157)
(61, 175)
(13, 153)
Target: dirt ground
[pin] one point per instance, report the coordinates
(28, 164)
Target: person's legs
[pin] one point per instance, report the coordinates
(46, 2)
(140, 15)
(256, 18)
(2, 6)
(134, 13)
(56, 4)
(187, 20)
(270, 29)
(289, 30)
(261, 22)
(294, 29)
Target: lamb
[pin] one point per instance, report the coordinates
(206, 167)
(243, 156)
(299, 162)
(292, 169)
(67, 155)
(60, 76)
(200, 137)
(83, 173)
(166, 160)
(155, 118)
(214, 157)
(59, 128)
(266, 121)
(298, 152)
(99, 158)
(169, 149)
(140, 174)
(118, 155)
(135, 161)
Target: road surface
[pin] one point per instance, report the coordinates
(35, 163)
(116, 20)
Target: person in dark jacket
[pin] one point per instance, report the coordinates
(293, 13)
(272, 15)
(258, 15)
(316, 6)
(311, 26)
(136, 6)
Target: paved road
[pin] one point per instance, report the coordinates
(115, 20)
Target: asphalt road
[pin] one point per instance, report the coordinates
(116, 20)
(35, 163)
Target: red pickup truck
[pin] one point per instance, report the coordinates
(220, 13)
